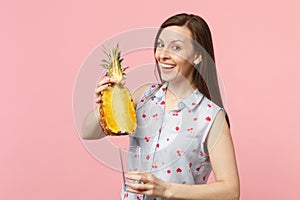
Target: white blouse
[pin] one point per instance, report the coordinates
(173, 144)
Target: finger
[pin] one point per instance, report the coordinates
(98, 100)
(139, 176)
(101, 88)
(137, 186)
(133, 175)
(144, 192)
(102, 81)
(106, 80)
(123, 82)
(134, 191)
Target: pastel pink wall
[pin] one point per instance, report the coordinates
(43, 44)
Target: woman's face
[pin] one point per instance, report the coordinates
(175, 53)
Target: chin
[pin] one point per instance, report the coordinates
(168, 77)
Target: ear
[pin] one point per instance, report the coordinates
(197, 58)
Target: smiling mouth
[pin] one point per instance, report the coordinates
(166, 66)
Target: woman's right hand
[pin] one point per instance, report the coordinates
(102, 85)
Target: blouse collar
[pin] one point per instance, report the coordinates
(190, 101)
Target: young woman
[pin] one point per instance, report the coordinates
(183, 129)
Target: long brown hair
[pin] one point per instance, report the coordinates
(204, 73)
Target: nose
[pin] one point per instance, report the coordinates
(164, 54)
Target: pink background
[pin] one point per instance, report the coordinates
(43, 44)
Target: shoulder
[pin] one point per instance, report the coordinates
(214, 114)
(216, 110)
(210, 107)
(137, 94)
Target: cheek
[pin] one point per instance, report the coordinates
(186, 67)
(156, 54)
(182, 60)
(183, 57)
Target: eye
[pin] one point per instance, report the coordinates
(176, 48)
(159, 45)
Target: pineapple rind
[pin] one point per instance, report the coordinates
(117, 111)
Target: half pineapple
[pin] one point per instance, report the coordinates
(117, 113)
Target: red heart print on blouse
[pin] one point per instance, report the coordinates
(178, 170)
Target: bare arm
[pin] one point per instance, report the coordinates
(91, 128)
(223, 162)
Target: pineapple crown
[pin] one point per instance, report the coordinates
(112, 55)
(113, 63)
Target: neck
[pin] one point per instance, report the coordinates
(180, 88)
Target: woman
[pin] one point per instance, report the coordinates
(183, 129)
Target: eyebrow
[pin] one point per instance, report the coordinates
(173, 40)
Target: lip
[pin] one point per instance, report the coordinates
(166, 65)
(166, 68)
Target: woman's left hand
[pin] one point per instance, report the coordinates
(148, 185)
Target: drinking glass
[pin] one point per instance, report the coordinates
(130, 160)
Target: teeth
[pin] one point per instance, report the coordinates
(166, 66)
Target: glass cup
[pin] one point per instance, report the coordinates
(130, 160)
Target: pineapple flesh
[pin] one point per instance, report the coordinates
(117, 113)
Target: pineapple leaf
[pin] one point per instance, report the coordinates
(105, 61)
(113, 62)
(104, 66)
